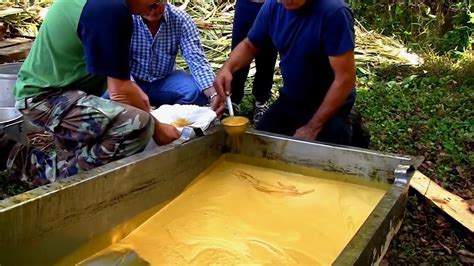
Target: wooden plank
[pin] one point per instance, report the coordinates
(14, 53)
(14, 41)
(10, 11)
(451, 204)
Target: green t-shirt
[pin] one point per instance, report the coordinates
(79, 44)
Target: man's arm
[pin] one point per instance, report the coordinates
(106, 43)
(240, 57)
(344, 81)
(128, 92)
(194, 55)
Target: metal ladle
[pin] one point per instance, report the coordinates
(234, 125)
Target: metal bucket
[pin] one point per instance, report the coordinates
(8, 76)
(11, 122)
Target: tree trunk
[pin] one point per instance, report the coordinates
(448, 15)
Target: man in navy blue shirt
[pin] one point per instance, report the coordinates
(315, 39)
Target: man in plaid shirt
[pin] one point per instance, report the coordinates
(156, 39)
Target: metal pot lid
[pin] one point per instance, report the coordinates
(9, 115)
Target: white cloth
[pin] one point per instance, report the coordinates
(198, 116)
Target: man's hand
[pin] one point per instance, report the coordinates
(222, 83)
(306, 132)
(165, 133)
(217, 105)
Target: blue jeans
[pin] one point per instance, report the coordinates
(285, 117)
(177, 87)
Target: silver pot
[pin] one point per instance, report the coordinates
(12, 123)
(8, 76)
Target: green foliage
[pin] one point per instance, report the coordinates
(10, 187)
(444, 26)
(459, 38)
(424, 111)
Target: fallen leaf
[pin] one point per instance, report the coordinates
(462, 173)
(466, 260)
(466, 253)
(470, 203)
(446, 248)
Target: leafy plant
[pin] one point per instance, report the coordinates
(458, 39)
(424, 111)
(444, 26)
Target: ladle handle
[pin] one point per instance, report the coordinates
(229, 106)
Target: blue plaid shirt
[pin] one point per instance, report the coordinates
(154, 58)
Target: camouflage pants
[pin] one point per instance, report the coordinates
(88, 131)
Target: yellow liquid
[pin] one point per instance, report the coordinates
(235, 144)
(239, 213)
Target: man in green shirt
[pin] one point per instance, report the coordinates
(81, 49)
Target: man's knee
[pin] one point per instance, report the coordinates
(192, 94)
(188, 89)
(277, 120)
(127, 134)
(136, 127)
(336, 131)
(106, 95)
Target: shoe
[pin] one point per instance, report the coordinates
(259, 111)
(6, 144)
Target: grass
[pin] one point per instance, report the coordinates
(425, 110)
(10, 187)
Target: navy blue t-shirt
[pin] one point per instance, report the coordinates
(305, 38)
(105, 29)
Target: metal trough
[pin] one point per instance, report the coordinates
(44, 225)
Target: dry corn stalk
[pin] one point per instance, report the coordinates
(214, 20)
